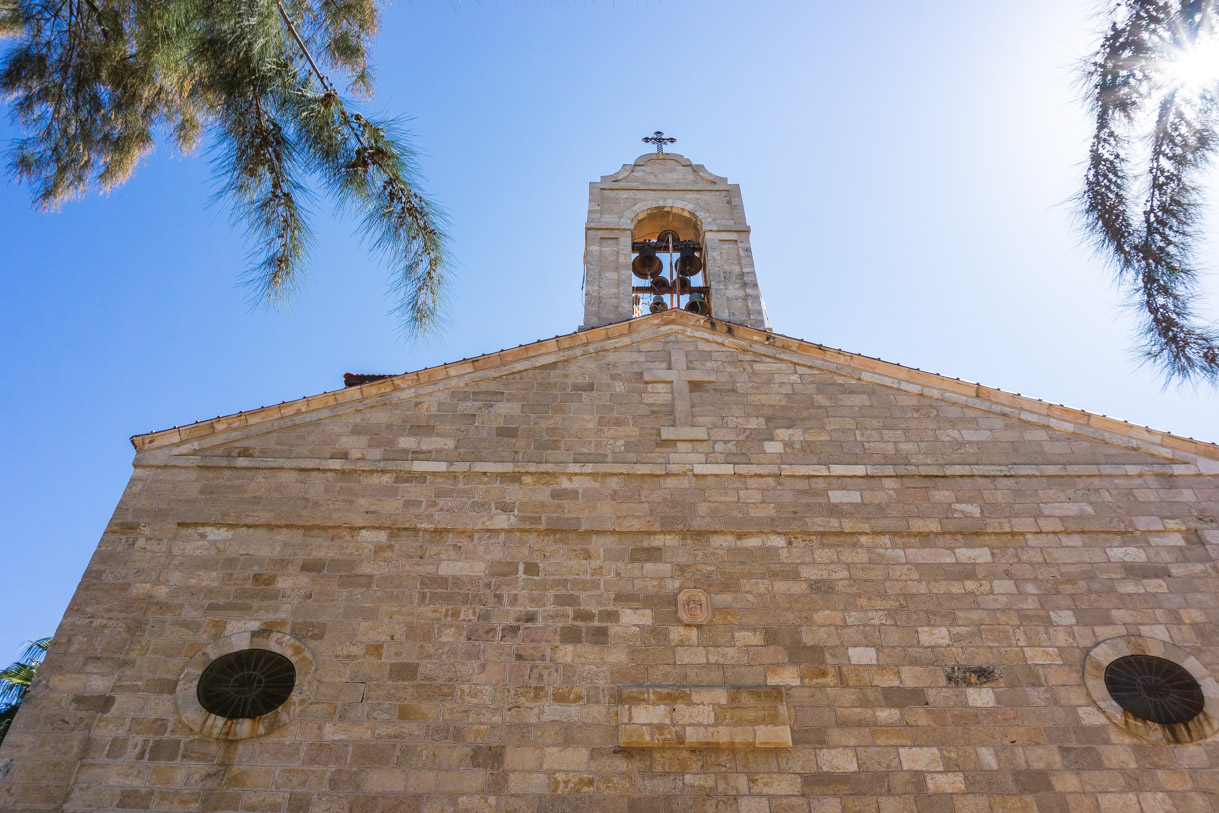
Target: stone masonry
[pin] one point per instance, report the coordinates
(663, 190)
(481, 561)
(666, 564)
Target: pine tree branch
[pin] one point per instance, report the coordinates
(1181, 147)
(1104, 200)
(92, 81)
(262, 184)
(1152, 259)
(404, 223)
(300, 44)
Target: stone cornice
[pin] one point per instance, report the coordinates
(830, 470)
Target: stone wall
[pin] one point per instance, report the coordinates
(484, 575)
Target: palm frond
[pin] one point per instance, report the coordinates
(15, 678)
(35, 650)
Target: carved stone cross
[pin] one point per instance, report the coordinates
(680, 378)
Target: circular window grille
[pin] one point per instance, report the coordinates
(1155, 689)
(246, 684)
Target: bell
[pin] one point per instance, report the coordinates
(661, 285)
(688, 263)
(647, 265)
(698, 305)
(658, 304)
(680, 286)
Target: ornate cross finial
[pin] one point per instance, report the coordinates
(658, 138)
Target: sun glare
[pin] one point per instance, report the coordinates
(1195, 68)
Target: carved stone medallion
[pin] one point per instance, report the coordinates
(694, 606)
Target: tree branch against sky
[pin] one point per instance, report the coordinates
(94, 84)
(1153, 85)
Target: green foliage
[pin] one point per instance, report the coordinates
(1138, 90)
(15, 681)
(95, 83)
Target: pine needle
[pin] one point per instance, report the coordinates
(92, 85)
(1151, 246)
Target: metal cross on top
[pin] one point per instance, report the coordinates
(658, 138)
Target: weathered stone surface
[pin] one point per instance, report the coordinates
(483, 561)
(703, 717)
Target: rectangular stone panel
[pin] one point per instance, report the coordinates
(703, 717)
(683, 433)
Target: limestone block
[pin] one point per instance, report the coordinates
(703, 717)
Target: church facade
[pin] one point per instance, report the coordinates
(673, 561)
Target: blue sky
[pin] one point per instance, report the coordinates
(906, 169)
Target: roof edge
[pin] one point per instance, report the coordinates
(867, 364)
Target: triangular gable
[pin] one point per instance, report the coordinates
(780, 400)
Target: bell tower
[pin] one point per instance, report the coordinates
(665, 233)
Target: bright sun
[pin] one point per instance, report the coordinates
(1196, 67)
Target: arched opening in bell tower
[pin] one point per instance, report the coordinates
(668, 262)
